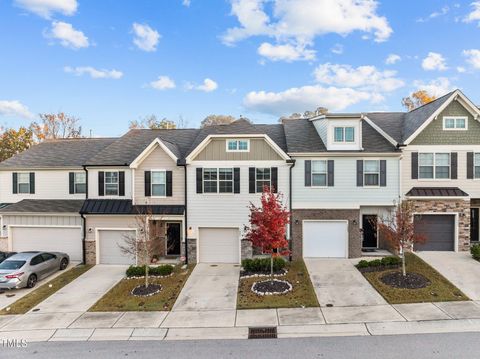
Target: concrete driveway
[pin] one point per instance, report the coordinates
(338, 282)
(210, 287)
(459, 268)
(83, 292)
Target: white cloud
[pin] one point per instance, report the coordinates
(434, 61)
(93, 72)
(163, 83)
(46, 8)
(473, 57)
(392, 59)
(14, 108)
(285, 52)
(146, 38)
(461, 69)
(298, 99)
(442, 12)
(186, 3)
(437, 87)
(208, 85)
(67, 35)
(475, 14)
(363, 77)
(337, 49)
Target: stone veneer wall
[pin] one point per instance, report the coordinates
(192, 250)
(453, 206)
(247, 249)
(354, 235)
(90, 252)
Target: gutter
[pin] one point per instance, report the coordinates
(84, 221)
(290, 200)
(185, 221)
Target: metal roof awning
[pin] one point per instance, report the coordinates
(436, 192)
(125, 207)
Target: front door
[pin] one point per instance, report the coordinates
(173, 239)
(369, 223)
(474, 212)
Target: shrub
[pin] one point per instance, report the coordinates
(475, 251)
(263, 264)
(139, 271)
(162, 270)
(390, 261)
(135, 271)
(376, 263)
(363, 264)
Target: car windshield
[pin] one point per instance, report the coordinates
(11, 264)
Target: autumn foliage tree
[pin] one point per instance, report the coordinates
(56, 125)
(14, 141)
(268, 225)
(153, 123)
(417, 99)
(399, 229)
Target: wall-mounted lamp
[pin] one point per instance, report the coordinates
(4, 226)
(354, 222)
(296, 221)
(90, 230)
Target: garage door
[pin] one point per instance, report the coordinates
(439, 231)
(219, 245)
(109, 242)
(53, 239)
(325, 239)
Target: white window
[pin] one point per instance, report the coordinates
(455, 123)
(79, 182)
(344, 134)
(159, 183)
(111, 183)
(476, 165)
(218, 180)
(319, 173)
(263, 178)
(23, 182)
(371, 172)
(434, 165)
(238, 145)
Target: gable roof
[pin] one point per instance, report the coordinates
(58, 153)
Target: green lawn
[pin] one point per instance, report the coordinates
(120, 299)
(44, 291)
(302, 294)
(440, 289)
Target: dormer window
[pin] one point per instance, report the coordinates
(344, 134)
(238, 145)
(452, 123)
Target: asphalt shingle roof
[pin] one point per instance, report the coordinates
(44, 205)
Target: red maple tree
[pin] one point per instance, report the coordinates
(268, 224)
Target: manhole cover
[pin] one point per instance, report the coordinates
(262, 333)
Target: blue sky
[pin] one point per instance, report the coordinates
(109, 62)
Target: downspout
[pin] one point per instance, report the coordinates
(290, 200)
(84, 235)
(185, 213)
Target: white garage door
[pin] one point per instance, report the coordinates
(53, 239)
(109, 242)
(219, 245)
(327, 239)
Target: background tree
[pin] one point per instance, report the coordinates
(307, 114)
(417, 99)
(14, 141)
(56, 125)
(153, 123)
(399, 230)
(268, 225)
(212, 120)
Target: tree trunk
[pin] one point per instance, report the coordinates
(146, 276)
(404, 269)
(271, 264)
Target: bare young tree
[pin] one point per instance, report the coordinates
(56, 125)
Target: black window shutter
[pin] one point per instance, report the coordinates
(15, 182)
(101, 183)
(251, 180)
(148, 183)
(274, 173)
(199, 180)
(359, 173)
(169, 184)
(331, 173)
(121, 183)
(470, 165)
(414, 165)
(71, 183)
(32, 182)
(454, 165)
(383, 173)
(308, 173)
(236, 180)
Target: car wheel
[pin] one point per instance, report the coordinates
(31, 281)
(63, 263)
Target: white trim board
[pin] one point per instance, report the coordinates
(147, 151)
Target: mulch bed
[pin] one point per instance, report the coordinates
(410, 281)
(270, 287)
(378, 268)
(143, 291)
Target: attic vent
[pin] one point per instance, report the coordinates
(262, 333)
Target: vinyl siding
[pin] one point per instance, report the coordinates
(32, 220)
(159, 160)
(49, 184)
(216, 150)
(228, 210)
(94, 222)
(93, 182)
(345, 193)
(322, 128)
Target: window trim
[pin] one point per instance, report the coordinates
(75, 183)
(263, 180)
(370, 173)
(105, 183)
(344, 133)
(455, 118)
(237, 140)
(218, 180)
(152, 183)
(18, 183)
(434, 178)
(475, 154)
(325, 173)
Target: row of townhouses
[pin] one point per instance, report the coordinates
(337, 172)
